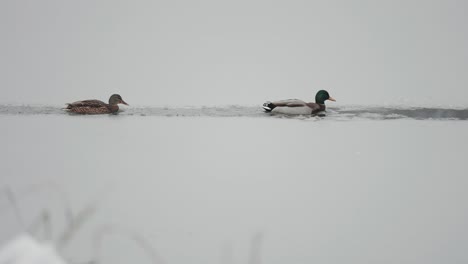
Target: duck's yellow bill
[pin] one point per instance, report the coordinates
(332, 99)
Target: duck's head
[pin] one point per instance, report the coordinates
(322, 96)
(116, 99)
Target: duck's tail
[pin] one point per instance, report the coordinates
(68, 107)
(268, 106)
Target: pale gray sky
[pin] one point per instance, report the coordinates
(234, 52)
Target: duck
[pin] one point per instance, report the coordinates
(93, 107)
(299, 107)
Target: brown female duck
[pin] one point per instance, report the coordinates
(93, 107)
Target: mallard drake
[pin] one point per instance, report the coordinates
(93, 107)
(299, 107)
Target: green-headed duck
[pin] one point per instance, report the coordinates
(298, 107)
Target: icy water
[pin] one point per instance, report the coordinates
(337, 113)
(235, 185)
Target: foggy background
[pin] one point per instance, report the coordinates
(234, 52)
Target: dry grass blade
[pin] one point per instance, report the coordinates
(76, 223)
(139, 240)
(43, 220)
(11, 198)
(255, 256)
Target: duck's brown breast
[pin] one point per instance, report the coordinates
(113, 108)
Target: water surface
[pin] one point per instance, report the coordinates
(335, 113)
(235, 185)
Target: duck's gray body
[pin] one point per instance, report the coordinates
(293, 107)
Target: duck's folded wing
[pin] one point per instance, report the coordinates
(88, 103)
(290, 103)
